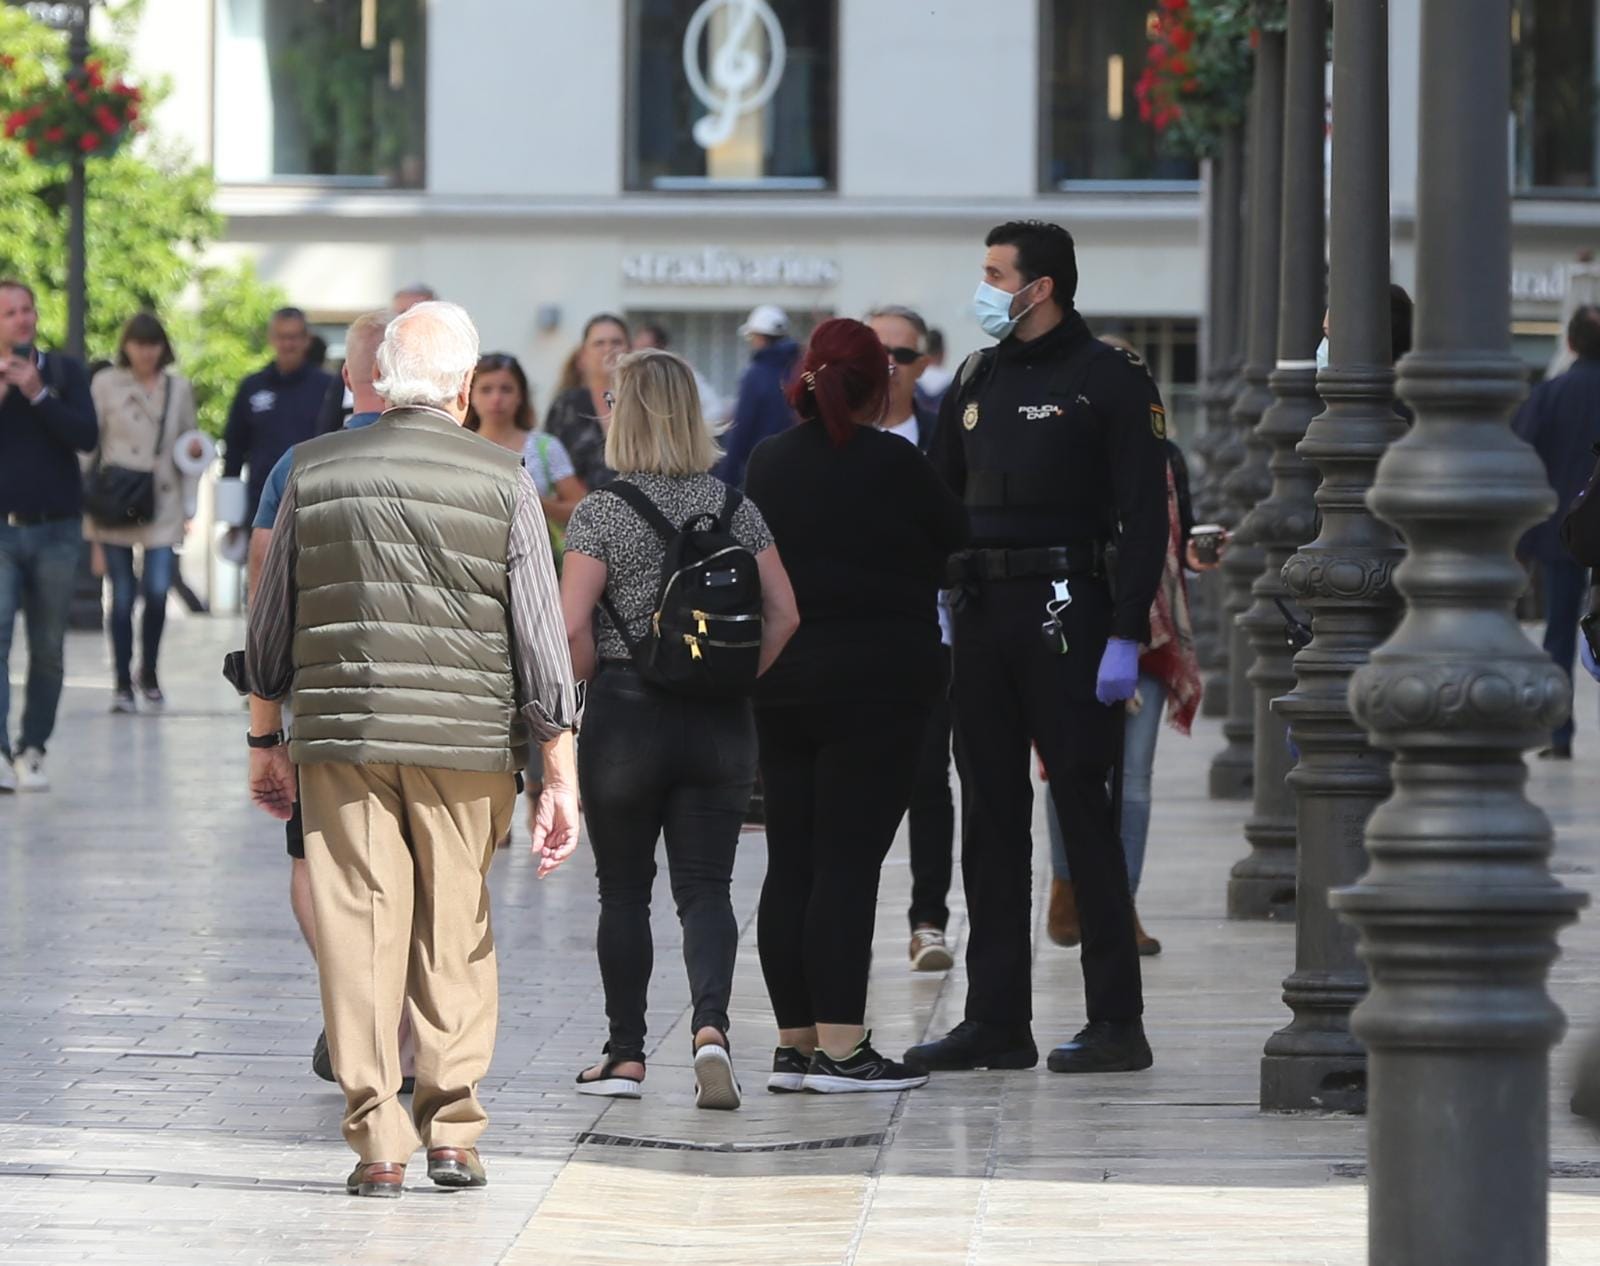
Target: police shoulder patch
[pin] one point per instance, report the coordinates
(1158, 421)
(969, 418)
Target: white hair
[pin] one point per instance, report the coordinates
(427, 355)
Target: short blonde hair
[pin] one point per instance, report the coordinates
(656, 423)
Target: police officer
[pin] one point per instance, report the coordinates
(1055, 440)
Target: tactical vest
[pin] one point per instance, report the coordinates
(1014, 460)
(403, 643)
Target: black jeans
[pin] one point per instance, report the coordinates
(932, 822)
(1010, 691)
(837, 779)
(1566, 585)
(652, 763)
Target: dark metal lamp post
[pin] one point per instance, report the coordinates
(1458, 911)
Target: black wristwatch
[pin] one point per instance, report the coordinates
(275, 739)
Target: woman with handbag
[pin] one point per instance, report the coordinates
(133, 494)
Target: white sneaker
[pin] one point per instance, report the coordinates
(929, 951)
(8, 775)
(30, 771)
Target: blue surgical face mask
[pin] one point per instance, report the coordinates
(992, 307)
(1322, 354)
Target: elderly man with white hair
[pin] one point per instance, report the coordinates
(408, 610)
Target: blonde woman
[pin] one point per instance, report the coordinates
(143, 407)
(655, 763)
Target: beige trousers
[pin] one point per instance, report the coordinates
(398, 858)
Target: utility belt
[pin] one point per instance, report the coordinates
(977, 566)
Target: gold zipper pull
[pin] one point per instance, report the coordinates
(701, 617)
(693, 643)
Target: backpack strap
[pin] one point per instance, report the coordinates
(645, 508)
(730, 507)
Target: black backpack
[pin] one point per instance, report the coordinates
(705, 635)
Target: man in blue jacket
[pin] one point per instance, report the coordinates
(761, 410)
(1561, 419)
(275, 408)
(46, 419)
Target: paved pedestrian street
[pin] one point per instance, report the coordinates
(156, 1101)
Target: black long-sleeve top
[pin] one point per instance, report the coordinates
(39, 443)
(864, 531)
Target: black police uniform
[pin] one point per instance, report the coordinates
(1058, 448)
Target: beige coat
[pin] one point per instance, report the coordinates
(128, 427)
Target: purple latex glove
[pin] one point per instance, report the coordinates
(1119, 672)
(1592, 668)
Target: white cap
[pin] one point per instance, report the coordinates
(767, 319)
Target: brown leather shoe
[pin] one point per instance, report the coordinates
(1149, 947)
(385, 1179)
(1062, 922)
(456, 1167)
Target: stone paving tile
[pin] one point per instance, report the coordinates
(156, 1103)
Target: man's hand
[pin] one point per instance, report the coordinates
(273, 785)
(554, 825)
(23, 374)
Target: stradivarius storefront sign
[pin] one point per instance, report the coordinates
(718, 266)
(740, 81)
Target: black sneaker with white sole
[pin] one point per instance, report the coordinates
(789, 1068)
(715, 1085)
(862, 1071)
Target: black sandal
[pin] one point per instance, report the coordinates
(608, 1084)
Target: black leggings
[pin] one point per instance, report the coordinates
(837, 778)
(652, 763)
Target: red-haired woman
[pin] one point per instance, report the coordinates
(864, 527)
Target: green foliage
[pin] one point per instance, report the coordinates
(1196, 88)
(148, 220)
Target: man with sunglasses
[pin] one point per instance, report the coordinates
(931, 817)
(1056, 442)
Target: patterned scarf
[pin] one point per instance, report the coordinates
(1170, 654)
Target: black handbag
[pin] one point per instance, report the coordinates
(114, 496)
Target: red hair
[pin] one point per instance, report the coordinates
(845, 372)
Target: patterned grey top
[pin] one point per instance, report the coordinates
(606, 528)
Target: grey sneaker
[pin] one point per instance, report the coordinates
(122, 700)
(929, 951)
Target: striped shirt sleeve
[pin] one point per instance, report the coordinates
(269, 643)
(550, 700)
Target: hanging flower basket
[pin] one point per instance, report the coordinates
(1196, 82)
(59, 120)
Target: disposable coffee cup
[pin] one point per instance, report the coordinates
(1207, 541)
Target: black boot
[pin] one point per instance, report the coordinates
(976, 1044)
(1104, 1046)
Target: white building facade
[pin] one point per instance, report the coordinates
(680, 161)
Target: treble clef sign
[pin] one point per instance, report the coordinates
(737, 84)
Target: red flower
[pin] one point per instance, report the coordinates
(14, 124)
(7, 61)
(1174, 6)
(32, 148)
(1157, 56)
(108, 122)
(1183, 39)
(89, 142)
(1146, 111)
(1255, 37)
(133, 113)
(1179, 66)
(1191, 85)
(53, 135)
(96, 79)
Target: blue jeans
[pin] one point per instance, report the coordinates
(156, 581)
(1565, 587)
(38, 570)
(1138, 764)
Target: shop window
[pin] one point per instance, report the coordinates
(1554, 73)
(321, 90)
(1092, 133)
(731, 94)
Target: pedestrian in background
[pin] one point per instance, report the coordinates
(931, 818)
(579, 415)
(46, 419)
(502, 412)
(361, 342)
(762, 408)
(1169, 685)
(275, 408)
(412, 669)
(1561, 419)
(712, 406)
(843, 716)
(657, 764)
(143, 408)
